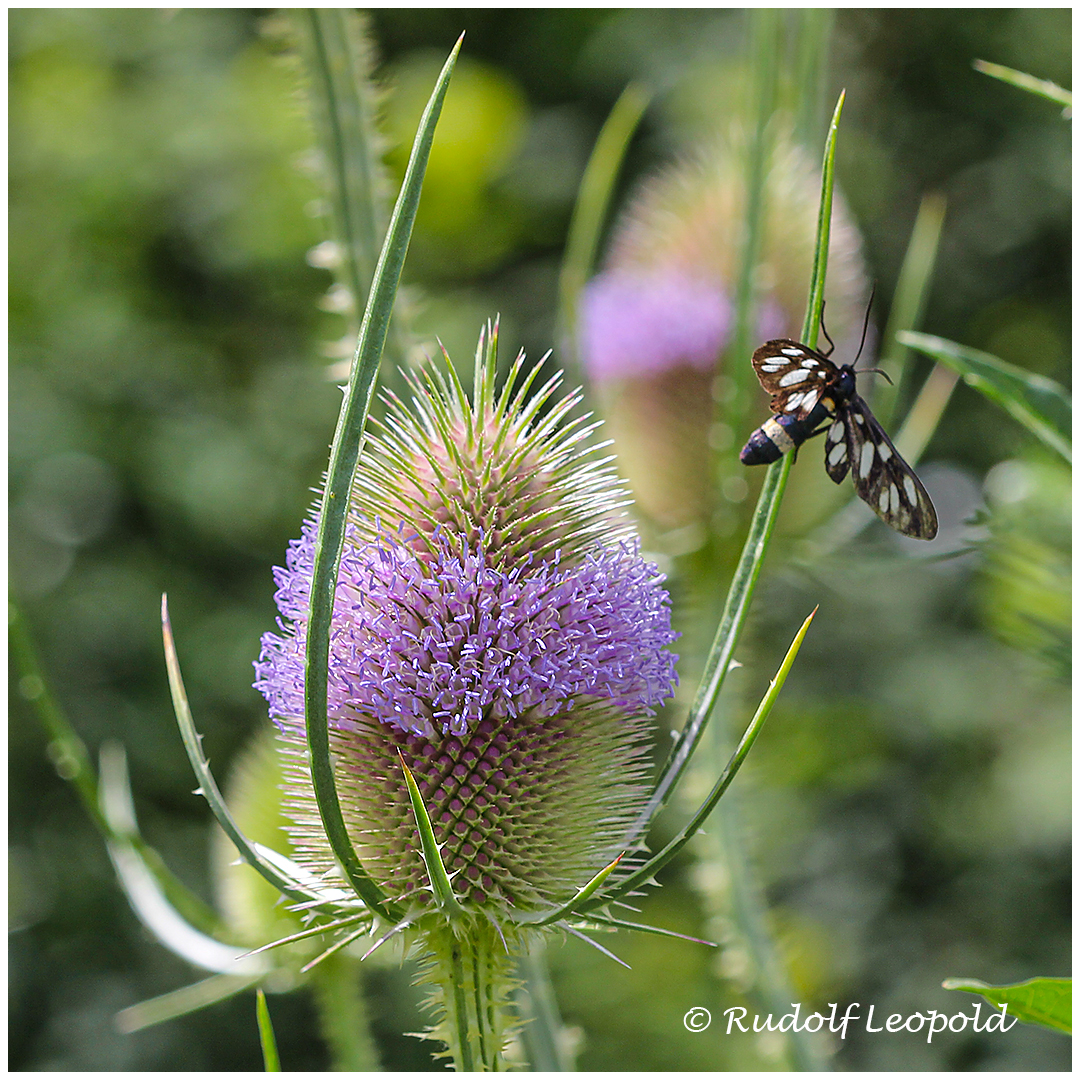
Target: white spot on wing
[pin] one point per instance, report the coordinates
(884, 451)
(809, 362)
(793, 377)
(909, 487)
(836, 433)
(883, 500)
(794, 402)
(894, 498)
(793, 352)
(838, 453)
(866, 459)
(770, 368)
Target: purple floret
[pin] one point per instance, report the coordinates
(639, 322)
(434, 643)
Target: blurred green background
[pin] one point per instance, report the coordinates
(908, 805)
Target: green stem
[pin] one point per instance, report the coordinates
(473, 974)
(343, 1014)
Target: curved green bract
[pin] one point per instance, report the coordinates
(344, 454)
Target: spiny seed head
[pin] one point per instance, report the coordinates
(494, 623)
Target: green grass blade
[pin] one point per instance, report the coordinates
(664, 856)
(757, 541)
(441, 887)
(1040, 404)
(594, 198)
(813, 28)
(908, 305)
(344, 455)
(767, 39)
(1043, 87)
(180, 1002)
(271, 1061)
(66, 750)
(1046, 1002)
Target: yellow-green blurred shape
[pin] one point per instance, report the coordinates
(462, 224)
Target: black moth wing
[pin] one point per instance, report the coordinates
(883, 479)
(794, 374)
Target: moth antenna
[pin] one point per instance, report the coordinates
(876, 371)
(826, 332)
(865, 325)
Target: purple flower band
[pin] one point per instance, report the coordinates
(433, 643)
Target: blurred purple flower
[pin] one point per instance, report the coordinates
(636, 322)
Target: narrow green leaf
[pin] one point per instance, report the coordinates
(66, 749)
(767, 43)
(69, 756)
(271, 1061)
(1047, 1002)
(542, 1032)
(207, 785)
(1043, 87)
(624, 924)
(594, 198)
(908, 304)
(177, 1003)
(1040, 404)
(813, 28)
(746, 574)
(344, 455)
(441, 887)
(663, 857)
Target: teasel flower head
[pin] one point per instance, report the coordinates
(497, 631)
(654, 325)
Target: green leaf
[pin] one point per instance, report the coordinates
(145, 893)
(757, 541)
(176, 1003)
(1043, 87)
(339, 59)
(1047, 1002)
(542, 918)
(594, 198)
(1040, 404)
(658, 861)
(344, 454)
(271, 1061)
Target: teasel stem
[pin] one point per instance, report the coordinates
(473, 976)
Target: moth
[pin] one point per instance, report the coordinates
(810, 394)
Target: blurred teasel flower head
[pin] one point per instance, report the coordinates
(496, 625)
(654, 325)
